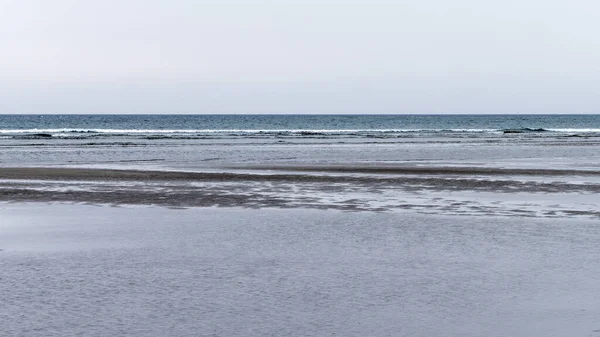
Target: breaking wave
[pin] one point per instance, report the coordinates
(282, 133)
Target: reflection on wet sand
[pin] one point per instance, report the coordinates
(446, 190)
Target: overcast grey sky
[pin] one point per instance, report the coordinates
(197, 56)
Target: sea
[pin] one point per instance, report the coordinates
(201, 141)
(290, 126)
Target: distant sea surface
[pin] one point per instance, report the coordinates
(296, 126)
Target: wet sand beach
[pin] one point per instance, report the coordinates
(435, 190)
(150, 271)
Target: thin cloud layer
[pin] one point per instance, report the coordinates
(191, 56)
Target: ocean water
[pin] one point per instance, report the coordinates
(205, 141)
(300, 126)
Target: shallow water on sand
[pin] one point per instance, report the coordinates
(425, 190)
(199, 154)
(142, 271)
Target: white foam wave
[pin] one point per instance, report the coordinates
(65, 132)
(590, 130)
(174, 131)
